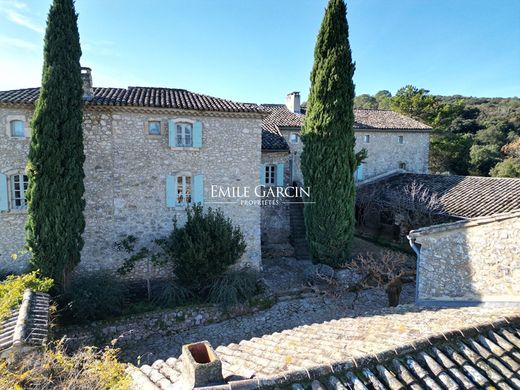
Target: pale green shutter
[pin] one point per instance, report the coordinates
(198, 189)
(171, 191)
(172, 134)
(3, 192)
(280, 172)
(197, 134)
(262, 174)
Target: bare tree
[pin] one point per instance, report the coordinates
(384, 271)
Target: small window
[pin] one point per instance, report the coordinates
(19, 184)
(270, 174)
(294, 138)
(154, 128)
(366, 139)
(183, 190)
(17, 129)
(402, 165)
(400, 140)
(184, 134)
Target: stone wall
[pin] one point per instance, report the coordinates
(125, 183)
(275, 221)
(476, 260)
(385, 153)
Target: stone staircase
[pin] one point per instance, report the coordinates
(298, 238)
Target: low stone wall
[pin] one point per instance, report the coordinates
(131, 329)
(477, 260)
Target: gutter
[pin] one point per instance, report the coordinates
(417, 251)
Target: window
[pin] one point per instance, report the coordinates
(154, 128)
(184, 134)
(366, 139)
(400, 140)
(17, 129)
(183, 190)
(294, 138)
(270, 174)
(402, 165)
(19, 184)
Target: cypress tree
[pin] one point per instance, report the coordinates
(328, 159)
(55, 168)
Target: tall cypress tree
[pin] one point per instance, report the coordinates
(55, 168)
(328, 159)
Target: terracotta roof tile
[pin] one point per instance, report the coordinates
(461, 196)
(376, 120)
(143, 97)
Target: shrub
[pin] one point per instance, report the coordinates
(87, 369)
(96, 296)
(12, 288)
(203, 248)
(234, 287)
(170, 294)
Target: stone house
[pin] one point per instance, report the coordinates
(152, 151)
(149, 153)
(393, 142)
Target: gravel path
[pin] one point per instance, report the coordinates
(283, 315)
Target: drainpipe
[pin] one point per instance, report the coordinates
(417, 251)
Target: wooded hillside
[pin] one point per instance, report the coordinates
(472, 136)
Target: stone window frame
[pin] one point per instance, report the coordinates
(185, 148)
(154, 136)
(183, 174)
(296, 137)
(27, 129)
(366, 139)
(10, 173)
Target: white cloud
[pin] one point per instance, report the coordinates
(18, 73)
(22, 20)
(16, 12)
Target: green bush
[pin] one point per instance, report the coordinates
(203, 248)
(13, 287)
(96, 296)
(234, 287)
(52, 368)
(170, 294)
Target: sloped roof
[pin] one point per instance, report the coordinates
(403, 347)
(374, 120)
(460, 196)
(28, 324)
(143, 97)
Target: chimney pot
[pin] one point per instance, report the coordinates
(292, 101)
(88, 90)
(200, 366)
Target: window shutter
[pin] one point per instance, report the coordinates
(3, 192)
(198, 189)
(172, 139)
(262, 174)
(359, 172)
(280, 172)
(197, 134)
(171, 191)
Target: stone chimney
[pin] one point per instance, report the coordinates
(201, 366)
(86, 76)
(292, 101)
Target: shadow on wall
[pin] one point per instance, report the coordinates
(469, 262)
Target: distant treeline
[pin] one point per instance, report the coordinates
(472, 136)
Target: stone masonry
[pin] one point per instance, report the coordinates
(126, 171)
(476, 260)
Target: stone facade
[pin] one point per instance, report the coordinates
(476, 260)
(125, 183)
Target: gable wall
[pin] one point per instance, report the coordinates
(125, 181)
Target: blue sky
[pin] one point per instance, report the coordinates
(259, 50)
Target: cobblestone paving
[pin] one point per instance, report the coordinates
(283, 315)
